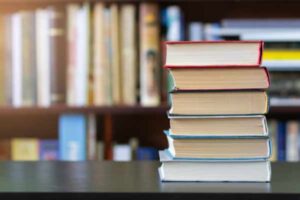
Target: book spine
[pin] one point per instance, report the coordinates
(72, 137)
(57, 54)
(48, 150)
(292, 153)
(42, 57)
(8, 61)
(129, 54)
(149, 54)
(281, 139)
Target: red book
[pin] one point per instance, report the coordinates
(213, 54)
(229, 78)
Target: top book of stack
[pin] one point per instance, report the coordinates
(213, 54)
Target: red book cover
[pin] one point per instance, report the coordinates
(257, 64)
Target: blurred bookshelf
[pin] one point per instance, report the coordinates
(144, 116)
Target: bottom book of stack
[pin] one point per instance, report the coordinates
(173, 169)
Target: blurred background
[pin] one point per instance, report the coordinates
(83, 80)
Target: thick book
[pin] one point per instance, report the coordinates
(186, 78)
(48, 150)
(213, 53)
(281, 140)
(213, 171)
(223, 126)
(149, 54)
(26, 149)
(57, 34)
(5, 149)
(239, 102)
(219, 148)
(72, 137)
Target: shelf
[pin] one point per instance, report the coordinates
(86, 109)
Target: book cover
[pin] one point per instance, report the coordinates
(149, 54)
(281, 139)
(25, 149)
(57, 34)
(129, 54)
(72, 137)
(48, 150)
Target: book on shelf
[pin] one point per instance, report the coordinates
(273, 134)
(222, 102)
(72, 137)
(219, 78)
(57, 54)
(222, 126)
(190, 170)
(292, 141)
(48, 150)
(24, 149)
(129, 64)
(281, 139)
(122, 152)
(91, 137)
(5, 149)
(149, 54)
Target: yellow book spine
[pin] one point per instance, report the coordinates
(281, 55)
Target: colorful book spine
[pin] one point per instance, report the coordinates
(281, 138)
(72, 137)
(48, 150)
(149, 54)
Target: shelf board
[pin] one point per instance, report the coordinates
(86, 109)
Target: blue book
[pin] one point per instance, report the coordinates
(146, 153)
(281, 141)
(48, 150)
(72, 137)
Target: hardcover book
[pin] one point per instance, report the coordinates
(239, 102)
(213, 53)
(212, 171)
(234, 78)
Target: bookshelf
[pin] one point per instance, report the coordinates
(145, 123)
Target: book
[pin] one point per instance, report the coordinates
(57, 51)
(219, 78)
(116, 55)
(25, 149)
(129, 54)
(28, 59)
(223, 126)
(100, 151)
(3, 59)
(48, 150)
(16, 59)
(273, 135)
(191, 170)
(8, 82)
(213, 53)
(122, 152)
(219, 148)
(292, 135)
(72, 137)
(261, 23)
(281, 54)
(5, 149)
(195, 31)
(71, 13)
(240, 102)
(149, 54)
(42, 29)
(281, 139)
(100, 53)
(146, 153)
(91, 137)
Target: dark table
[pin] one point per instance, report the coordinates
(126, 180)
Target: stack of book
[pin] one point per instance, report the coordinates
(218, 131)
